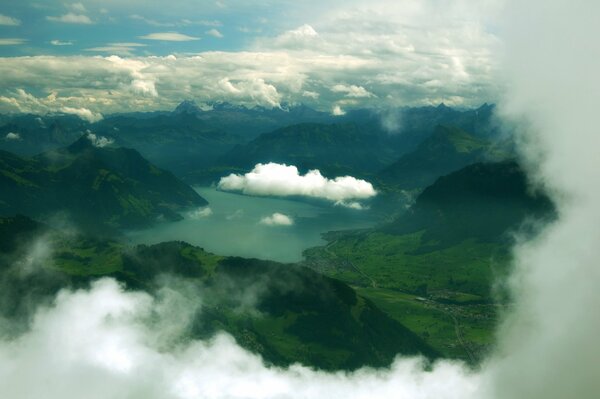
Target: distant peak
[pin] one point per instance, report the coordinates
(187, 107)
(83, 143)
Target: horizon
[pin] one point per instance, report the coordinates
(333, 56)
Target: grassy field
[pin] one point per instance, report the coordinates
(444, 296)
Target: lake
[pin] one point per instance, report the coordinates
(233, 226)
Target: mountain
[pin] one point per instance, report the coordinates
(177, 141)
(250, 122)
(335, 149)
(438, 268)
(29, 134)
(98, 187)
(286, 313)
(414, 124)
(449, 148)
(482, 201)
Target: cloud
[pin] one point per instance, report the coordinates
(214, 33)
(9, 21)
(397, 54)
(337, 110)
(12, 41)
(200, 213)
(169, 37)
(83, 113)
(61, 43)
(13, 136)
(107, 342)
(71, 18)
(99, 141)
(549, 344)
(282, 180)
(126, 48)
(352, 91)
(277, 219)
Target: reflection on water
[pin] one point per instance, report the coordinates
(232, 226)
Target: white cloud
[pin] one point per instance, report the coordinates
(337, 110)
(380, 53)
(117, 48)
(351, 205)
(9, 21)
(277, 219)
(111, 343)
(214, 33)
(60, 43)
(301, 37)
(71, 18)
(83, 113)
(282, 180)
(99, 141)
(12, 41)
(13, 136)
(200, 213)
(169, 37)
(352, 91)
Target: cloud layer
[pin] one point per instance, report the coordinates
(330, 55)
(274, 179)
(109, 343)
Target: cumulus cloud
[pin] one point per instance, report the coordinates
(9, 21)
(298, 38)
(274, 179)
(13, 136)
(200, 213)
(352, 91)
(71, 18)
(83, 113)
(169, 37)
(277, 219)
(396, 53)
(99, 141)
(337, 110)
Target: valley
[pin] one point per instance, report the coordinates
(424, 259)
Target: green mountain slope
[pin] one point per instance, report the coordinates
(435, 267)
(335, 149)
(446, 150)
(480, 202)
(286, 313)
(96, 187)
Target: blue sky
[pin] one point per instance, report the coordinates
(106, 55)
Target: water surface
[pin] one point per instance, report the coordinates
(233, 228)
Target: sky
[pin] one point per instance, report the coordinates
(104, 56)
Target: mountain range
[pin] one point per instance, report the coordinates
(95, 187)
(285, 313)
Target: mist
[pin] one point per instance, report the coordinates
(548, 347)
(106, 342)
